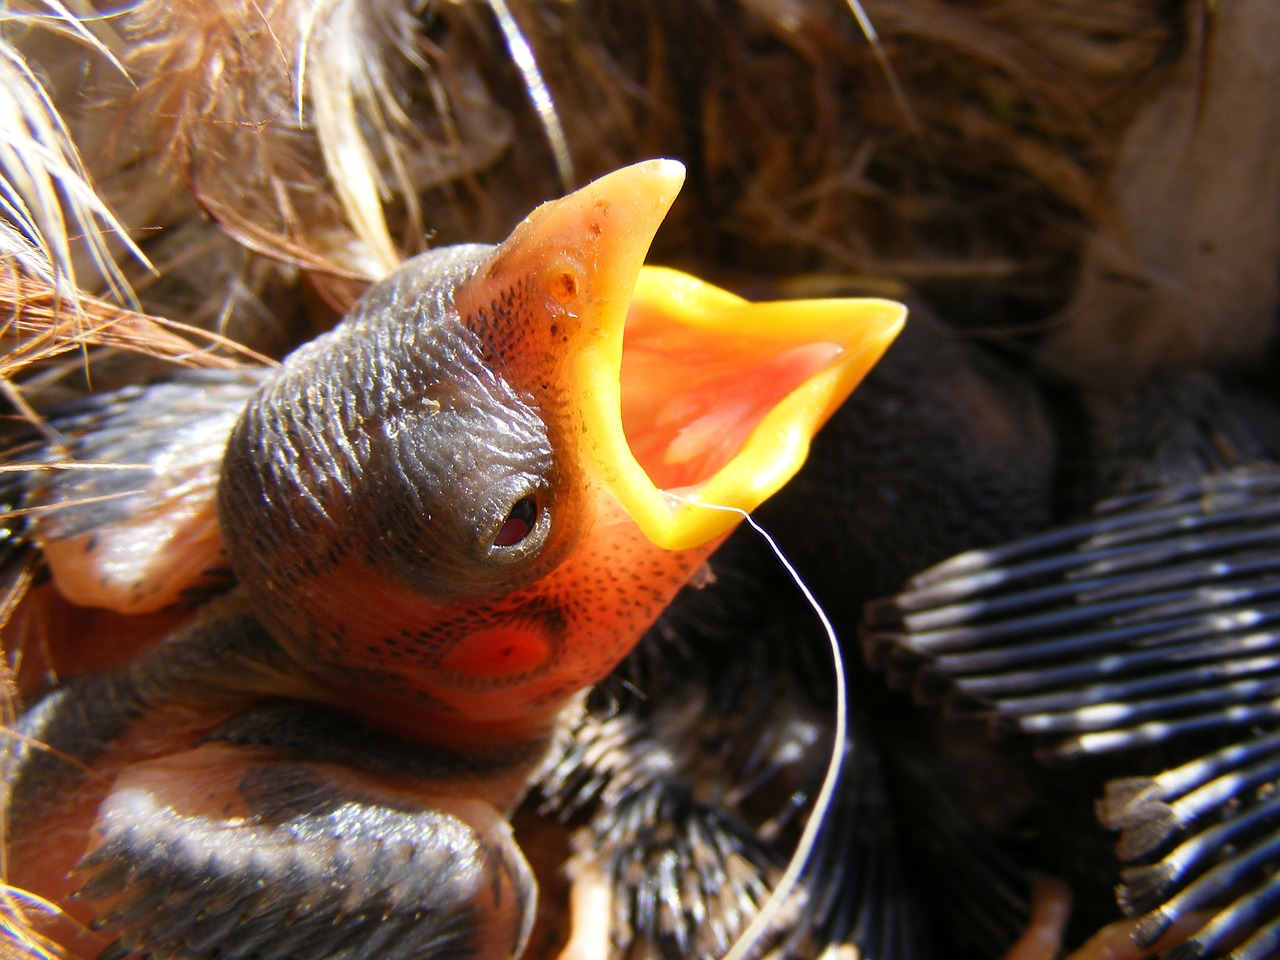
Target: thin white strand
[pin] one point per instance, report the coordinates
(787, 883)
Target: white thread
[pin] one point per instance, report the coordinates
(759, 924)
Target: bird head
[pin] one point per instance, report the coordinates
(469, 500)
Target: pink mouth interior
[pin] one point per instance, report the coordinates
(690, 399)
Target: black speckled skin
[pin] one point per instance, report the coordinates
(321, 762)
(375, 470)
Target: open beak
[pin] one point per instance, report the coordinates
(716, 399)
(688, 390)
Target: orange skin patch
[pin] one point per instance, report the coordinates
(698, 389)
(497, 652)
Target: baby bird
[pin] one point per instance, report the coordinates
(443, 521)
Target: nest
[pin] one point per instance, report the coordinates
(211, 183)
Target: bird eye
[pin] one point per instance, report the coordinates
(521, 519)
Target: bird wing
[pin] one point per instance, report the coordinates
(121, 501)
(1150, 626)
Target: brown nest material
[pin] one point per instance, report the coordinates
(962, 152)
